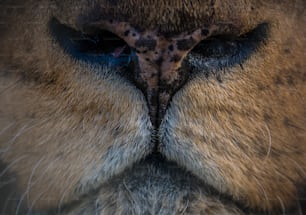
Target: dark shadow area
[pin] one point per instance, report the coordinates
(303, 201)
(8, 191)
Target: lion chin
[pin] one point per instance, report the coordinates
(152, 107)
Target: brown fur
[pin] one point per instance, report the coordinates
(73, 136)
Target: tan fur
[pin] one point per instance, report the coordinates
(75, 134)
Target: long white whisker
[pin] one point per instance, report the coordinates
(10, 86)
(6, 128)
(12, 140)
(22, 130)
(282, 205)
(62, 197)
(28, 187)
(34, 182)
(31, 176)
(270, 141)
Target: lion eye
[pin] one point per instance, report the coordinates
(100, 46)
(217, 47)
(102, 43)
(222, 51)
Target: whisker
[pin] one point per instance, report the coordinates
(132, 198)
(298, 166)
(270, 141)
(28, 187)
(6, 128)
(46, 189)
(12, 163)
(10, 142)
(36, 199)
(282, 205)
(262, 189)
(10, 86)
(31, 176)
(22, 130)
(59, 207)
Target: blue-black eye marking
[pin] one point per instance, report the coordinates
(101, 47)
(209, 56)
(221, 51)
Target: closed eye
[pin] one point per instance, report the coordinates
(209, 56)
(100, 46)
(221, 51)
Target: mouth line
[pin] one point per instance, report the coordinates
(180, 176)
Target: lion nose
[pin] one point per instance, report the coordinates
(160, 71)
(157, 66)
(155, 62)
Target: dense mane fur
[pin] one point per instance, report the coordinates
(78, 136)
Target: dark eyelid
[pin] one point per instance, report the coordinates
(96, 48)
(234, 49)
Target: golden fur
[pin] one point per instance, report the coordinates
(68, 128)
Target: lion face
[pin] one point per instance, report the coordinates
(152, 107)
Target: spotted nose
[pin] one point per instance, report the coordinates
(159, 71)
(158, 68)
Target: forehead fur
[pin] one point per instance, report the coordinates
(169, 16)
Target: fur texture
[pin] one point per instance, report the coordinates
(76, 138)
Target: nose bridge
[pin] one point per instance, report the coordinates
(158, 70)
(160, 58)
(160, 74)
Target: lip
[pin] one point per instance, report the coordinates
(156, 169)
